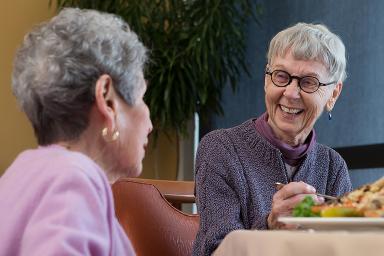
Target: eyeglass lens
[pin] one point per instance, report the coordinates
(307, 83)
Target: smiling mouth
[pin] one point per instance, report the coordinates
(294, 111)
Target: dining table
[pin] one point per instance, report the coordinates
(302, 243)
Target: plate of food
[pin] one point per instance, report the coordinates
(361, 209)
(339, 223)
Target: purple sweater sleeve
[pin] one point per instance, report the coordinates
(217, 200)
(340, 182)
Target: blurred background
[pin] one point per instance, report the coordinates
(356, 129)
(357, 126)
(16, 134)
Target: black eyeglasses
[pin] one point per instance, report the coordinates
(308, 84)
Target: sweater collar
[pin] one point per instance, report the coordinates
(291, 155)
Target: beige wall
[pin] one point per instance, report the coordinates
(160, 161)
(17, 18)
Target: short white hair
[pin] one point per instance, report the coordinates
(311, 42)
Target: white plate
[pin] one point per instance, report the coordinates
(350, 224)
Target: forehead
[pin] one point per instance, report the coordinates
(299, 66)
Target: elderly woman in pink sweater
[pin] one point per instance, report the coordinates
(79, 79)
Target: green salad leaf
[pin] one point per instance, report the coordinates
(304, 208)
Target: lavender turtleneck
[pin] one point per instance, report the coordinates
(292, 155)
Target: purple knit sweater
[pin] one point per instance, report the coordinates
(236, 170)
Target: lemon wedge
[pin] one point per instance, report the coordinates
(338, 211)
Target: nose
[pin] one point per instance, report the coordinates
(150, 125)
(150, 128)
(292, 90)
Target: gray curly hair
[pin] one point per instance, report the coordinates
(59, 62)
(311, 42)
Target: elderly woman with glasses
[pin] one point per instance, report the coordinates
(79, 79)
(237, 168)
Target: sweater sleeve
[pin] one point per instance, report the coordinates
(70, 219)
(217, 198)
(340, 179)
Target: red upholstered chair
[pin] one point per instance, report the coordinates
(152, 223)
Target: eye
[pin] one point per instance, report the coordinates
(281, 76)
(309, 82)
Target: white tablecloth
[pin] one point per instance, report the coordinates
(301, 243)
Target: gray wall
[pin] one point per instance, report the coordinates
(358, 116)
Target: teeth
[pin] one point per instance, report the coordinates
(290, 110)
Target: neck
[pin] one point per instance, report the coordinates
(93, 148)
(290, 139)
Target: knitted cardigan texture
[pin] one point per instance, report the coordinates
(236, 169)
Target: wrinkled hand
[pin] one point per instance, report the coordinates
(286, 199)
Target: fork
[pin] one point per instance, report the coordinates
(279, 185)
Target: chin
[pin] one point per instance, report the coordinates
(285, 128)
(135, 171)
(288, 130)
(124, 172)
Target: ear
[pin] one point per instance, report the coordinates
(265, 83)
(334, 96)
(266, 77)
(105, 97)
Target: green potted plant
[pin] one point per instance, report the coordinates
(196, 48)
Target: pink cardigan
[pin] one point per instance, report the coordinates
(57, 202)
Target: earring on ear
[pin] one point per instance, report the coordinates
(111, 138)
(115, 135)
(330, 109)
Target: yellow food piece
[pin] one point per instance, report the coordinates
(374, 213)
(337, 211)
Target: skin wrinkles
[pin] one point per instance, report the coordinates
(134, 124)
(293, 129)
(286, 198)
(123, 156)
